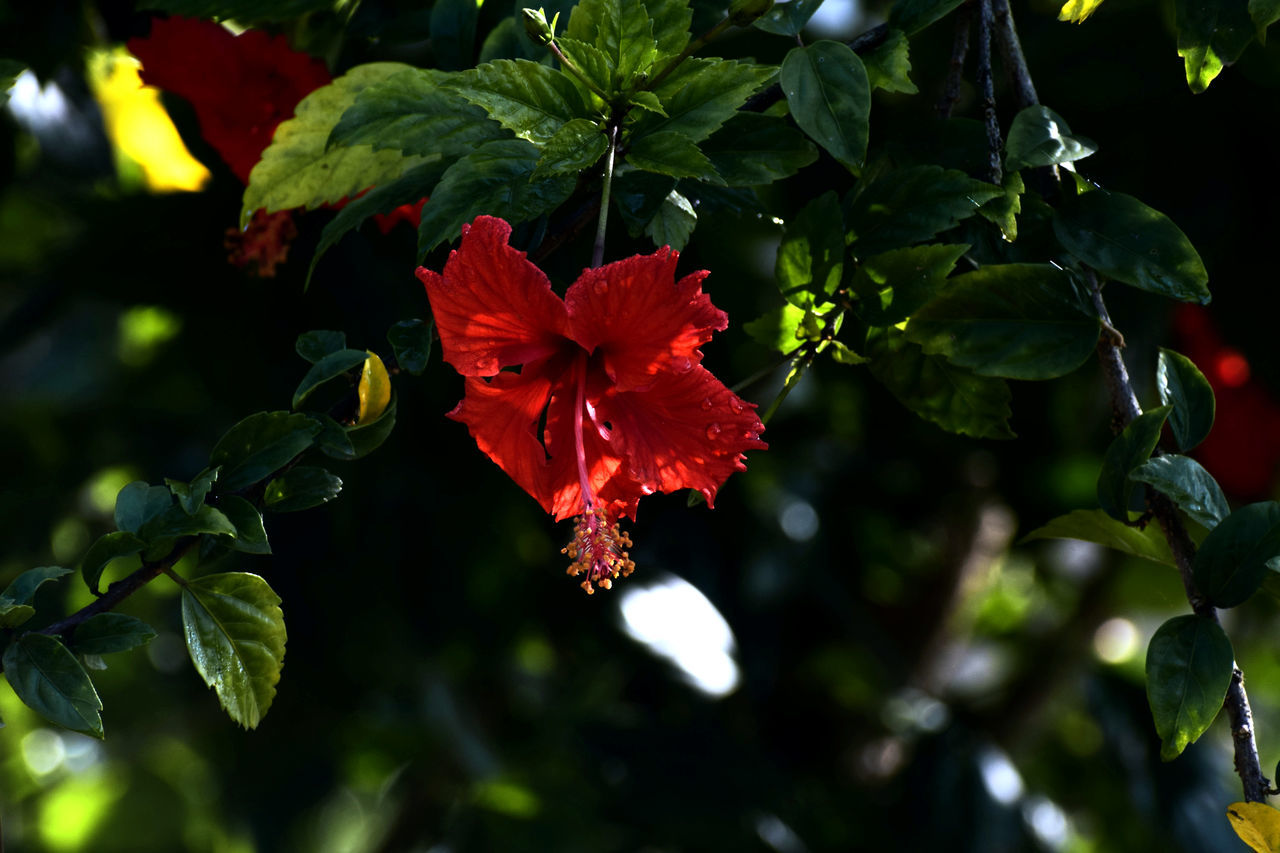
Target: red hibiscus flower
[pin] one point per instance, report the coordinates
(614, 368)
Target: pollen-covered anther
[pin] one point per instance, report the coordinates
(598, 550)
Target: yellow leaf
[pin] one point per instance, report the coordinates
(140, 129)
(374, 389)
(1076, 11)
(1257, 824)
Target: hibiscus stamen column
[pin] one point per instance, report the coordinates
(598, 547)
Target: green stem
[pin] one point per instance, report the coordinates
(597, 255)
(692, 48)
(568, 65)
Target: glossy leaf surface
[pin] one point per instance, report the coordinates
(1183, 386)
(1039, 137)
(1189, 663)
(1117, 494)
(106, 633)
(1233, 559)
(259, 445)
(50, 681)
(1188, 484)
(830, 98)
(1094, 525)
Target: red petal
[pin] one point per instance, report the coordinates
(642, 320)
(492, 307)
(688, 431)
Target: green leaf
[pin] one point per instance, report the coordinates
(138, 503)
(495, 179)
(671, 154)
(1018, 321)
(647, 100)
(892, 285)
(841, 354)
(779, 329)
(118, 543)
(250, 536)
(1189, 666)
(810, 261)
(754, 149)
(191, 495)
(1264, 13)
(1234, 558)
(621, 31)
(787, 19)
(830, 98)
(1183, 386)
(1211, 35)
(673, 222)
(174, 523)
(411, 342)
(12, 615)
(236, 637)
(16, 602)
(638, 195)
(367, 437)
(106, 633)
(315, 345)
(951, 397)
(574, 147)
(1125, 240)
(1075, 11)
(50, 681)
(889, 64)
(412, 111)
(531, 100)
(910, 205)
(1003, 210)
(242, 10)
(912, 16)
(1188, 485)
(701, 95)
(1117, 494)
(1039, 137)
(332, 366)
(301, 488)
(332, 440)
(9, 71)
(670, 20)
(453, 33)
(260, 445)
(298, 170)
(1094, 525)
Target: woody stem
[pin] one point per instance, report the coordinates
(597, 256)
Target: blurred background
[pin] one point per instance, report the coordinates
(852, 651)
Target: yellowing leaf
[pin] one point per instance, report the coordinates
(1076, 11)
(1257, 824)
(139, 127)
(374, 389)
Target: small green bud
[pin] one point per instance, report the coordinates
(537, 28)
(742, 13)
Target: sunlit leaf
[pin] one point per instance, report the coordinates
(531, 100)
(1040, 137)
(301, 488)
(1189, 665)
(1075, 11)
(673, 222)
(1183, 386)
(574, 147)
(889, 64)
(1117, 494)
(1257, 824)
(620, 30)
(236, 636)
(830, 97)
(1233, 559)
(670, 20)
(1187, 484)
(810, 261)
(1094, 525)
(50, 681)
(373, 390)
(701, 95)
(1211, 35)
(777, 330)
(892, 285)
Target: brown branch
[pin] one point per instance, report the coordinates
(955, 70)
(987, 87)
(1015, 63)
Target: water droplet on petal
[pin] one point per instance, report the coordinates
(681, 364)
(707, 403)
(736, 405)
(713, 430)
(648, 488)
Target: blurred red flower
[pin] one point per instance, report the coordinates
(614, 368)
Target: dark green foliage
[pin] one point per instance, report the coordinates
(1117, 494)
(1183, 386)
(1189, 665)
(830, 98)
(1236, 555)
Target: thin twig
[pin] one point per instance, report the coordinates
(1015, 63)
(955, 71)
(987, 86)
(597, 253)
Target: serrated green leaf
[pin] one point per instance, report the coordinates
(1094, 525)
(1003, 210)
(647, 100)
(236, 636)
(191, 495)
(673, 222)
(892, 285)
(531, 100)
(577, 145)
(174, 523)
(1187, 484)
(787, 19)
(260, 445)
(1040, 137)
(1117, 494)
(333, 365)
(888, 65)
(952, 397)
(50, 681)
(1211, 35)
(910, 205)
(753, 149)
(671, 154)
(1189, 666)
(411, 342)
(298, 170)
(830, 98)
(413, 111)
(1125, 240)
(621, 31)
(1017, 321)
(118, 543)
(315, 345)
(591, 62)
(671, 20)
(250, 536)
(107, 633)
(494, 180)
(1183, 386)
(701, 95)
(301, 488)
(367, 437)
(912, 16)
(810, 260)
(1233, 559)
(453, 33)
(139, 502)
